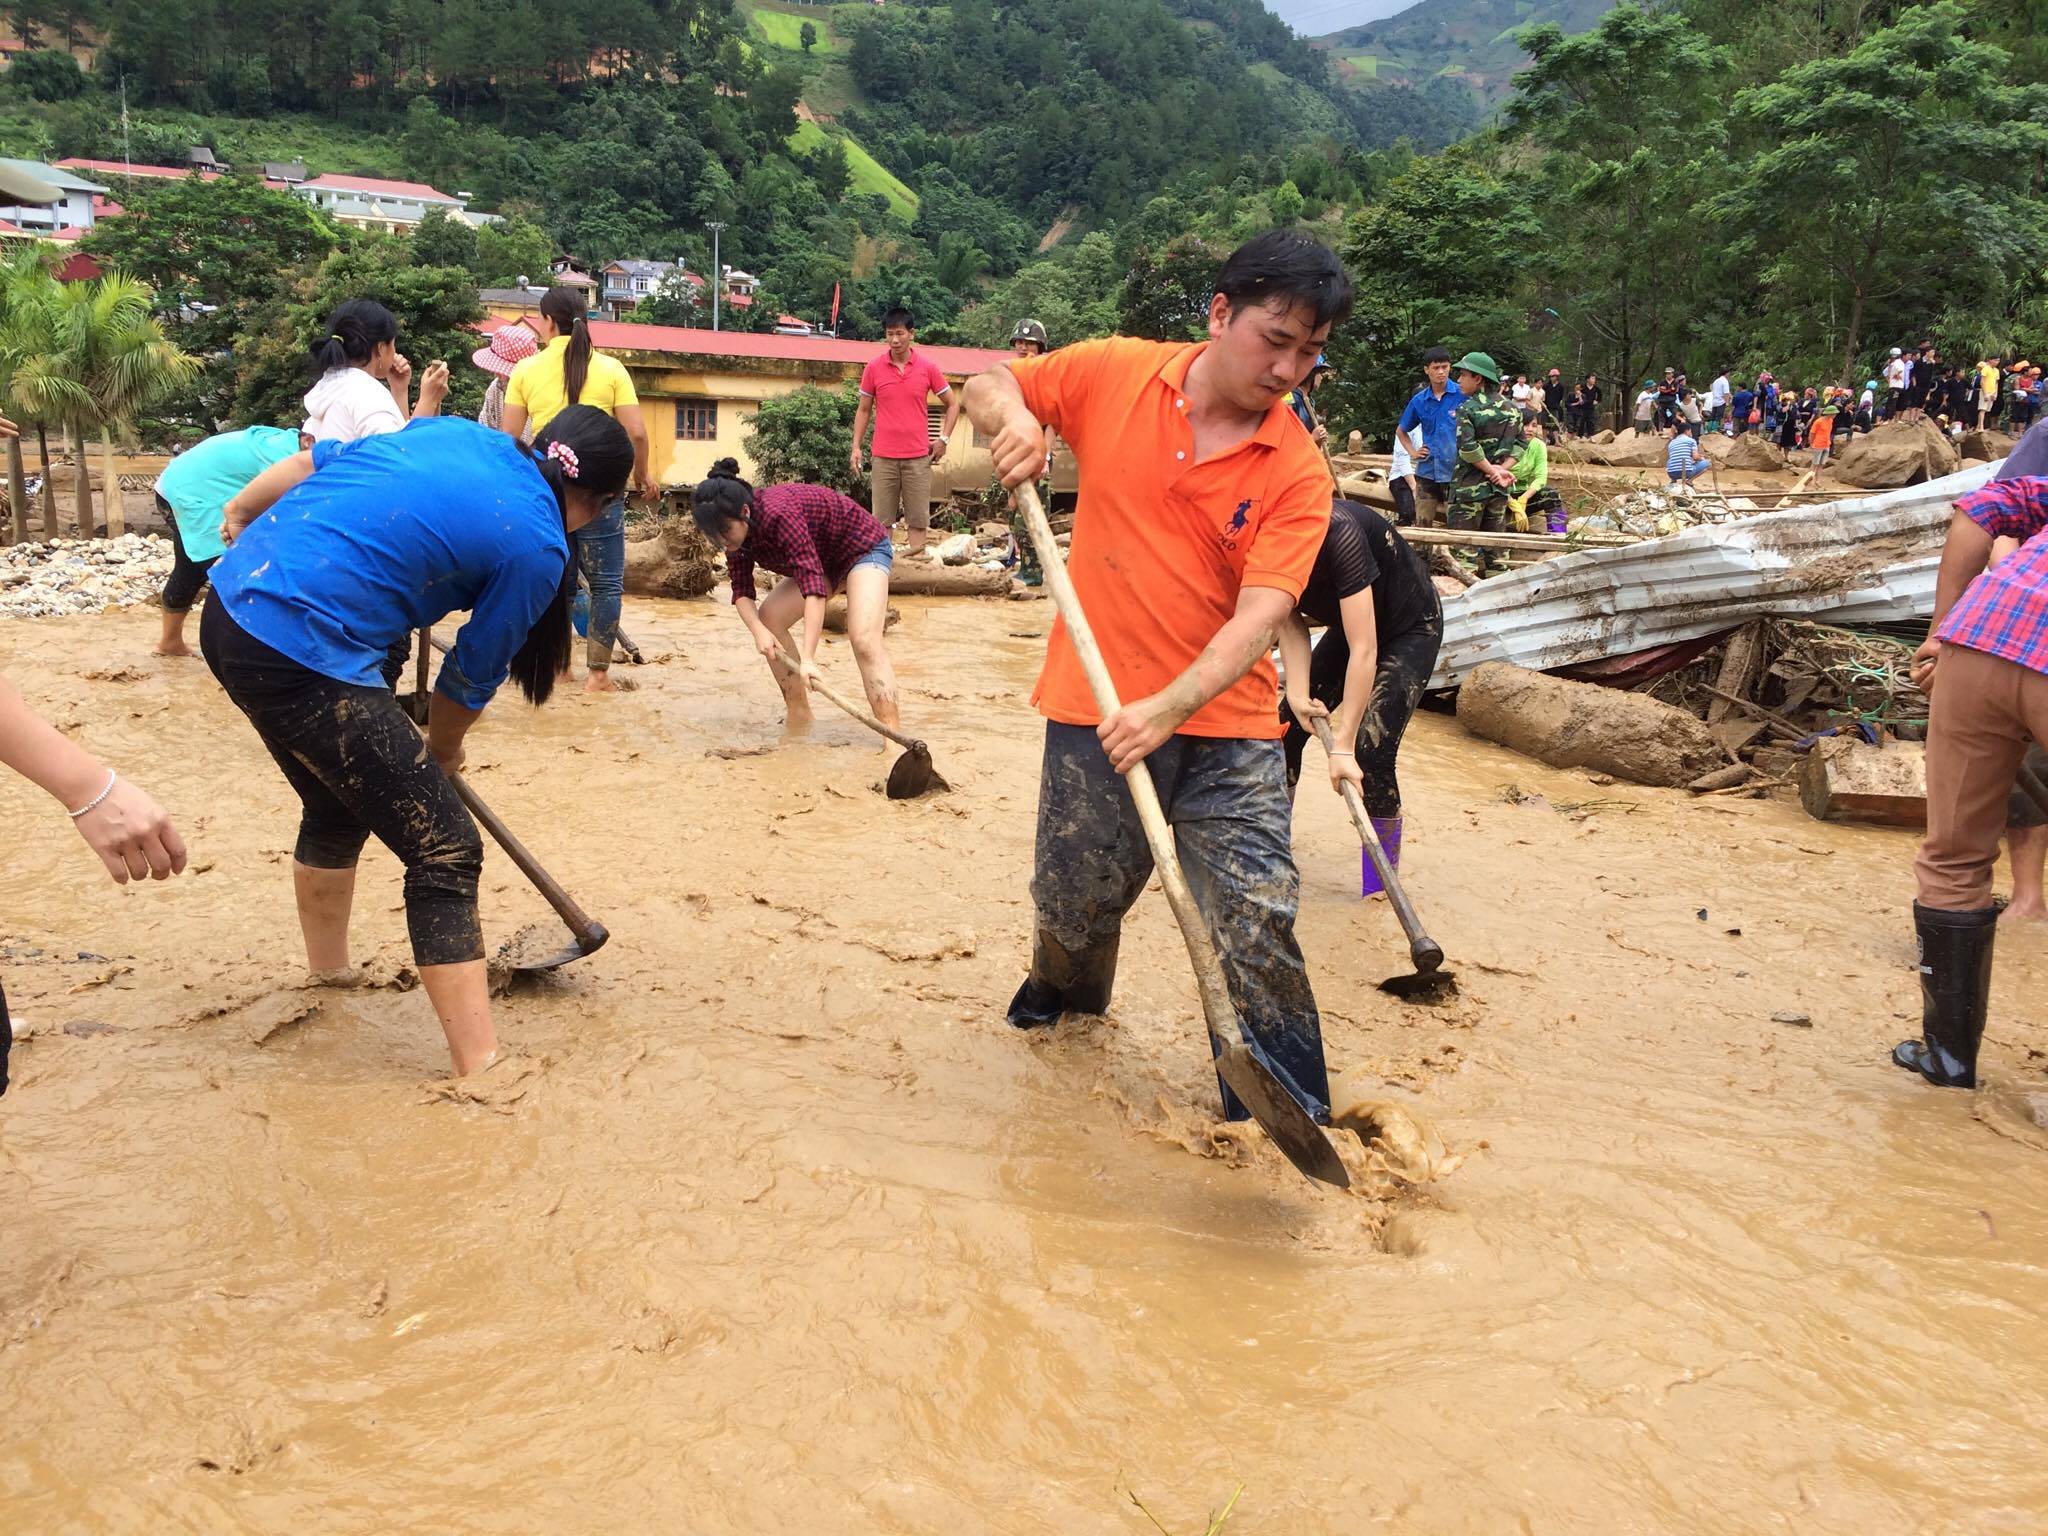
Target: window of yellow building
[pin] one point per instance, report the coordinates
(696, 421)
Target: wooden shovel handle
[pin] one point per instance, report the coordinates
(1425, 951)
(819, 685)
(589, 935)
(1217, 1008)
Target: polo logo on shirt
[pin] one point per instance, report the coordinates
(1238, 520)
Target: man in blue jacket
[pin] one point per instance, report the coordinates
(1428, 432)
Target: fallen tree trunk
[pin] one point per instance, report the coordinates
(1582, 725)
(924, 578)
(677, 561)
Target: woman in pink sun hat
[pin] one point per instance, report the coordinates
(510, 346)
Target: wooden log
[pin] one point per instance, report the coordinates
(1721, 778)
(925, 578)
(835, 616)
(1582, 725)
(1845, 779)
(1549, 543)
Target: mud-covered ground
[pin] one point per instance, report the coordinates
(774, 1225)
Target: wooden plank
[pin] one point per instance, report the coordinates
(1549, 543)
(1739, 666)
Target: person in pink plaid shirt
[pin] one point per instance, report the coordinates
(1989, 652)
(822, 542)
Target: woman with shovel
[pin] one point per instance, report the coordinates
(333, 554)
(1383, 624)
(823, 543)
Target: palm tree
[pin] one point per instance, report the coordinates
(114, 351)
(40, 381)
(28, 294)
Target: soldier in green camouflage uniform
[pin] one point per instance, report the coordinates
(1489, 441)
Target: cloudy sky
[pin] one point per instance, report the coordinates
(1313, 18)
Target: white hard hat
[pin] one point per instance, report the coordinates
(1897, 352)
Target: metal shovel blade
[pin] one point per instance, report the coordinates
(1422, 987)
(913, 774)
(1280, 1115)
(535, 948)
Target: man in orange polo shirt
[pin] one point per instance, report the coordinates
(1201, 509)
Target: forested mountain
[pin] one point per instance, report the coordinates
(1470, 42)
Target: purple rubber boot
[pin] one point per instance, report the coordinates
(1388, 830)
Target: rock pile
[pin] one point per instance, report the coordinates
(40, 581)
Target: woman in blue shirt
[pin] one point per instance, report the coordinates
(363, 542)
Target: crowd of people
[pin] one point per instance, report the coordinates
(375, 518)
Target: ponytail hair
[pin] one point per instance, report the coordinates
(721, 497)
(354, 331)
(564, 306)
(585, 449)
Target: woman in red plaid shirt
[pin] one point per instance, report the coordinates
(821, 542)
(1989, 651)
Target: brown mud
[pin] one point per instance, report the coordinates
(766, 1222)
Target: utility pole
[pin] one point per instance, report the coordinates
(717, 272)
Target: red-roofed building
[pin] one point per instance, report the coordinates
(124, 168)
(699, 390)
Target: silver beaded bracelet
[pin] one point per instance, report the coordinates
(93, 803)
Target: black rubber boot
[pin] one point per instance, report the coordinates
(1062, 982)
(1955, 994)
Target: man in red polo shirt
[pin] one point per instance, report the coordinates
(1989, 652)
(1202, 506)
(894, 389)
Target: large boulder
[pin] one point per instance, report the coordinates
(1754, 452)
(1990, 445)
(1895, 454)
(1604, 436)
(1632, 450)
(1583, 725)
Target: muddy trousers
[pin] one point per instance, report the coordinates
(601, 555)
(1474, 515)
(181, 587)
(1984, 710)
(1405, 663)
(360, 768)
(1226, 800)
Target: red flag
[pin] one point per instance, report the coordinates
(834, 327)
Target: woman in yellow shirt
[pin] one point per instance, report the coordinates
(569, 371)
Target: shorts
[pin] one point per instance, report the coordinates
(883, 555)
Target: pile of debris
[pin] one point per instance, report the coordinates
(1658, 514)
(1778, 704)
(40, 581)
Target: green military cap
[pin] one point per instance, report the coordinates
(1481, 364)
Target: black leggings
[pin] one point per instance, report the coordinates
(359, 767)
(1405, 663)
(181, 587)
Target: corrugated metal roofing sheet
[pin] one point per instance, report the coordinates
(1866, 560)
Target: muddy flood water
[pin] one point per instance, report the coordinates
(774, 1226)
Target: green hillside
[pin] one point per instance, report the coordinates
(782, 26)
(869, 175)
(1469, 41)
